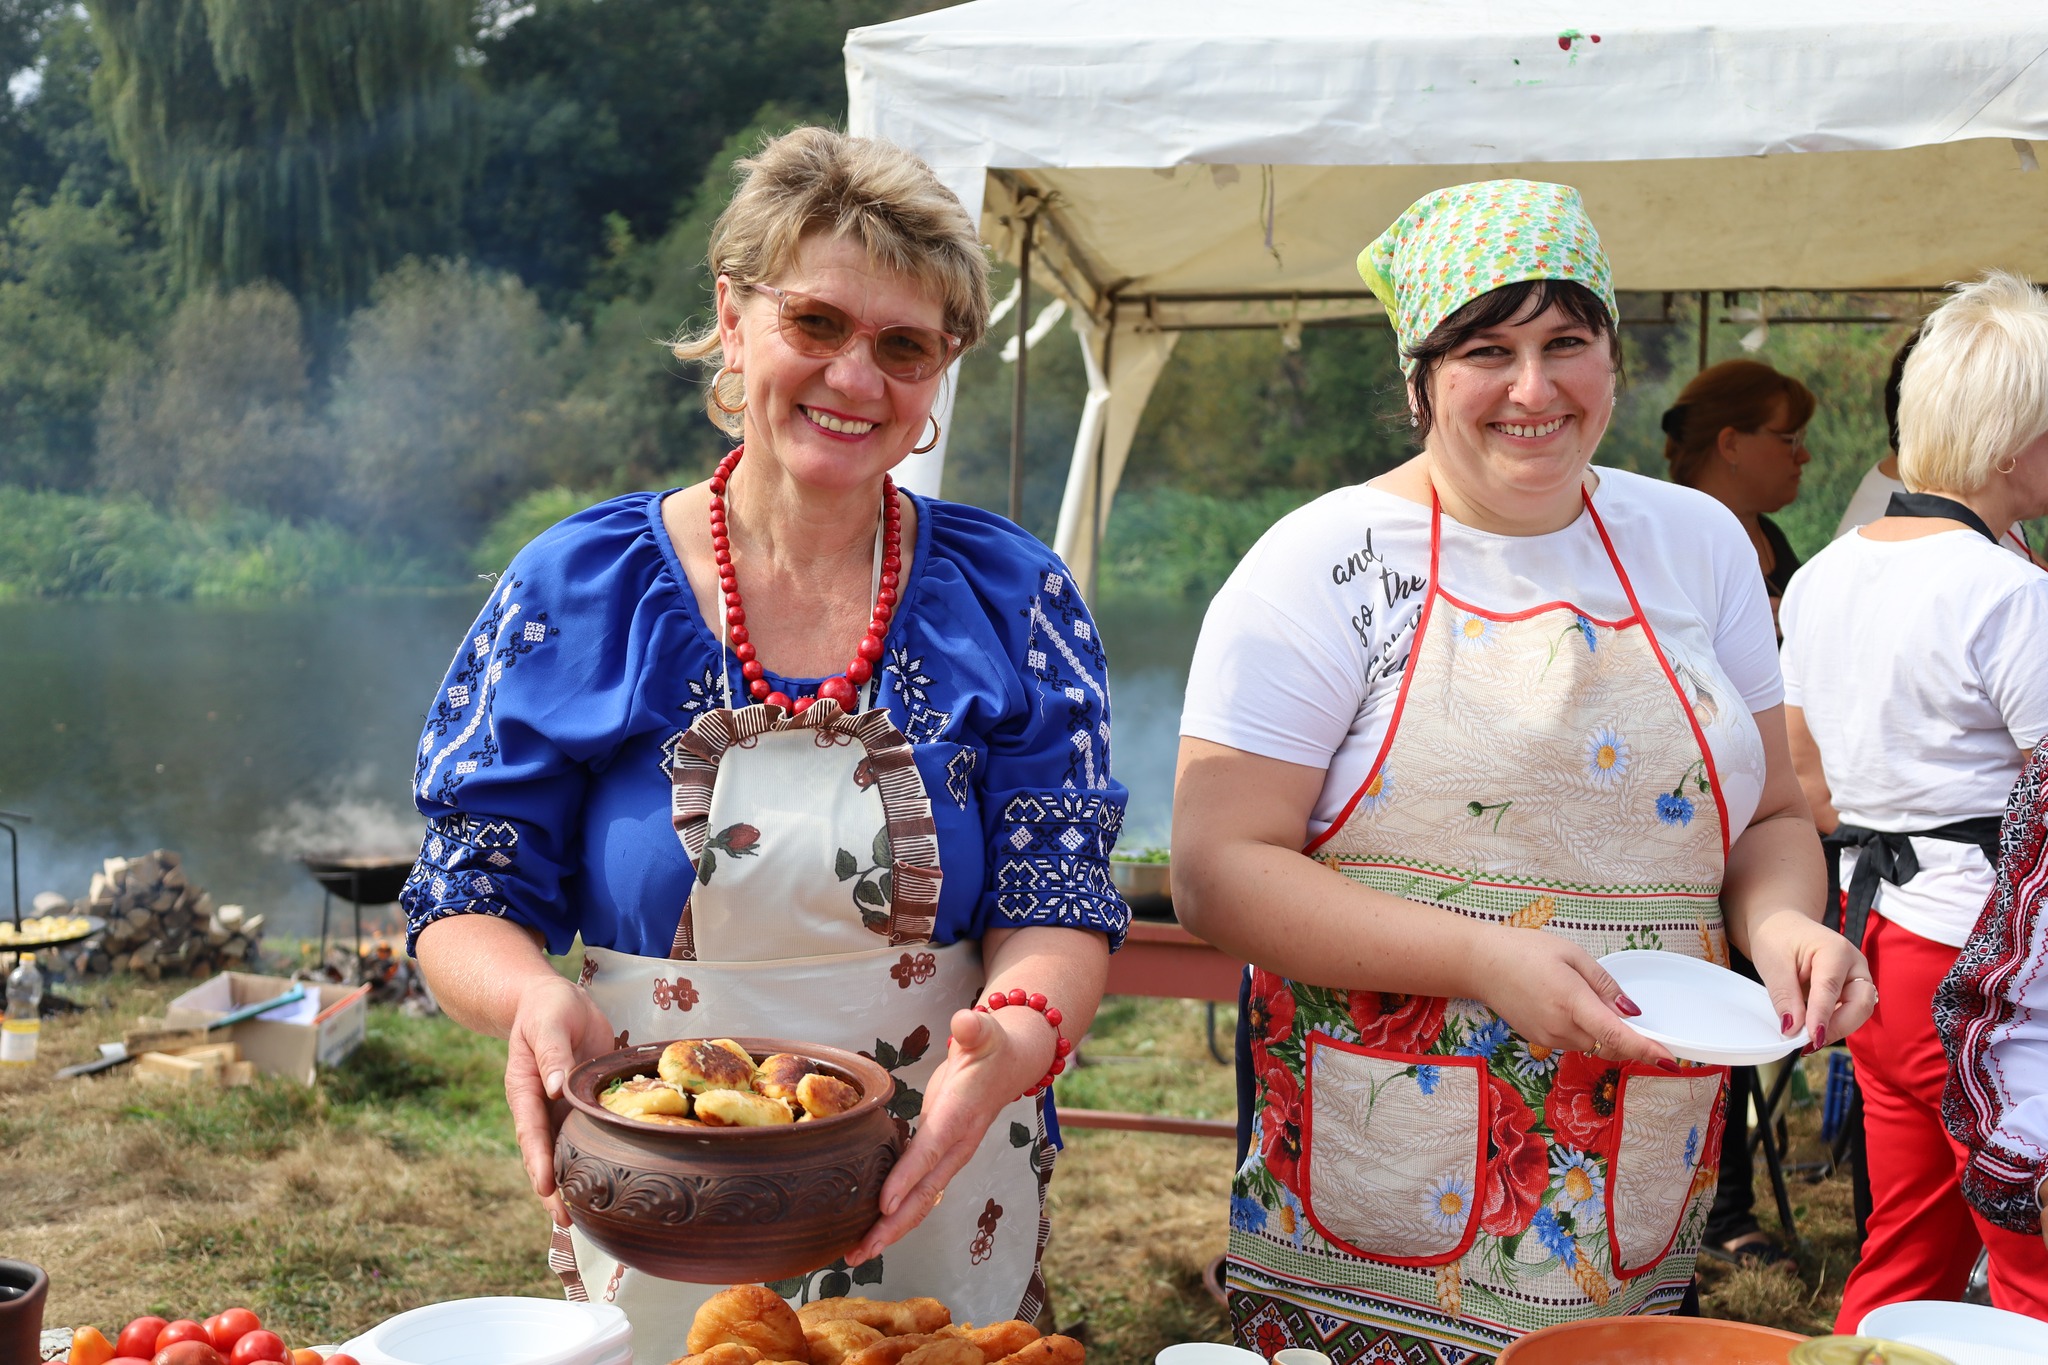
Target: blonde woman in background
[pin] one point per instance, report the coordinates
(1914, 693)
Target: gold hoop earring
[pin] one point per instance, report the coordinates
(2008, 467)
(933, 444)
(718, 402)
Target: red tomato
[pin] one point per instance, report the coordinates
(190, 1351)
(129, 1360)
(184, 1329)
(138, 1338)
(230, 1326)
(258, 1345)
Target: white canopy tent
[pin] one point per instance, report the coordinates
(1193, 163)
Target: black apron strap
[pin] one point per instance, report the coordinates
(1934, 505)
(1882, 856)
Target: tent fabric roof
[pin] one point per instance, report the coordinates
(1153, 120)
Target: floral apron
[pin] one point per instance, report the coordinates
(817, 883)
(1425, 1185)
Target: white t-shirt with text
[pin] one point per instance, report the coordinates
(1302, 651)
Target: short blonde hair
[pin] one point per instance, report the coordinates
(815, 181)
(1975, 389)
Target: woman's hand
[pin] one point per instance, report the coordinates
(1820, 985)
(1552, 992)
(992, 1059)
(556, 1025)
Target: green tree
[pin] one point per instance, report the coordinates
(217, 418)
(447, 408)
(76, 297)
(315, 144)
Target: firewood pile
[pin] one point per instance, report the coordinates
(159, 924)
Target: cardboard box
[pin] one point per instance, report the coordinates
(321, 1031)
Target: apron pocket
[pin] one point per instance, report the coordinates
(1394, 1151)
(1661, 1143)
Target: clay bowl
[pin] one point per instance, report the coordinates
(1653, 1341)
(727, 1205)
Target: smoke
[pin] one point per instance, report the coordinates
(344, 824)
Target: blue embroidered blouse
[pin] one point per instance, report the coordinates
(543, 767)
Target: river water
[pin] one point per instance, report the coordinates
(243, 734)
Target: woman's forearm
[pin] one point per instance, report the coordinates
(1774, 867)
(478, 966)
(1277, 909)
(1069, 967)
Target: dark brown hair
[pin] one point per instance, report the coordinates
(1743, 394)
(1516, 302)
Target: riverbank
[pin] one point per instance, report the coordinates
(67, 545)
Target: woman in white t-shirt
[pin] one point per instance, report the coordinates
(1914, 689)
(1526, 712)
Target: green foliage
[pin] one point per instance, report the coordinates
(602, 110)
(218, 416)
(527, 518)
(64, 545)
(1170, 542)
(311, 144)
(75, 296)
(447, 409)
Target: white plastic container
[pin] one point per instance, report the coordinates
(500, 1331)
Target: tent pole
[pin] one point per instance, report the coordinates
(1703, 329)
(1095, 519)
(1017, 392)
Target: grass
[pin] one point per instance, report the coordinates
(394, 1182)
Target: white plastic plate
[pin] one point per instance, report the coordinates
(1967, 1333)
(1701, 1012)
(499, 1331)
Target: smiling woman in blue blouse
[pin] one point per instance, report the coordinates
(796, 754)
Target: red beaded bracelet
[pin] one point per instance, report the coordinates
(1060, 1048)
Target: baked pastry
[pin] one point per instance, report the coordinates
(644, 1097)
(741, 1109)
(998, 1339)
(831, 1342)
(823, 1096)
(944, 1351)
(1052, 1350)
(749, 1315)
(777, 1076)
(890, 1317)
(698, 1064)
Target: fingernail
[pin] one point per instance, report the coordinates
(1784, 1023)
(1820, 1036)
(554, 1085)
(1628, 1007)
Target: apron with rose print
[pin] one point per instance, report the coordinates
(817, 884)
(1426, 1185)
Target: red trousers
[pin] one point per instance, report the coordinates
(1923, 1236)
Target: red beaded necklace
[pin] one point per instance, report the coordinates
(844, 689)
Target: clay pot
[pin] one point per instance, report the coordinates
(727, 1205)
(1653, 1341)
(22, 1290)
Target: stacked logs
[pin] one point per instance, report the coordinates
(159, 924)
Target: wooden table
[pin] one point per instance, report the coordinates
(1165, 961)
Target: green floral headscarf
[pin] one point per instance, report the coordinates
(1452, 245)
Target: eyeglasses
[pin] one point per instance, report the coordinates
(814, 327)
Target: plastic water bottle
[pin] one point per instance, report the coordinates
(24, 1018)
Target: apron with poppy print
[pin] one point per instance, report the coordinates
(1424, 1184)
(817, 887)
